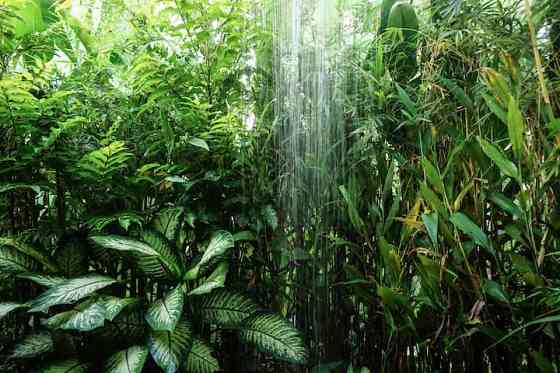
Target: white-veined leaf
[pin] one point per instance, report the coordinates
(214, 281)
(130, 360)
(226, 308)
(170, 349)
(70, 291)
(32, 346)
(271, 333)
(164, 313)
(200, 359)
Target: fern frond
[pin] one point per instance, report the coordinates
(105, 162)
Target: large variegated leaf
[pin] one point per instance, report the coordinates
(7, 307)
(86, 319)
(170, 349)
(166, 253)
(90, 314)
(12, 261)
(214, 281)
(121, 243)
(45, 280)
(114, 305)
(29, 251)
(65, 366)
(164, 313)
(70, 291)
(153, 255)
(168, 222)
(200, 359)
(32, 346)
(217, 249)
(226, 308)
(271, 333)
(130, 360)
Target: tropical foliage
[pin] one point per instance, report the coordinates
(140, 225)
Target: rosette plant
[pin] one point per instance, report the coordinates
(155, 304)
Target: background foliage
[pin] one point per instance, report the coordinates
(139, 221)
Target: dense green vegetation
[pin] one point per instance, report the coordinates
(141, 227)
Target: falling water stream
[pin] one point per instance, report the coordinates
(308, 107)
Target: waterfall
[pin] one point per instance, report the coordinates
(308, 47)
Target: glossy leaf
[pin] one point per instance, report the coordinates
(70, 291)
(169, 349)
(272, 334)
(164, 313)
(216, 280)
(131, 360)
(200, 359)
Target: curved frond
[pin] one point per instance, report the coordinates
(227, 308)
(70, 291)
(29, 251)
(164, 313)
(14, 262)
(65, 366)
(200, 359)
(44, 280)
(170, 349)
(271, 333)
(7, 307)
(32, 345)
(168, 222)
(130, 360)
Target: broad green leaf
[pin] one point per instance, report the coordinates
(353, 214)
(32, 346)
(70, 291)
(215, 280)
(433, 176)
(244, 236)
(154, 256)
(44, 280)
(65, 366)
(169, 349)
(130, 360)
(495, 107)
(270, 217)
(13, 262)
(272, 334)
(506, 204)
(431, 223)
(507, 167)
(494, 290)
(7, 307)
(219, 245)
(544, 320)
(121, 243)
(114, 305)
(405, 99)
(388, 184)
(164, 313)
(516, 128)
(195, 141)
(200, 359)
(89, 318)
(29, 251)
(168, 222)
(166, 263)
(458, 92)
(468, 227)
(226, 308)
